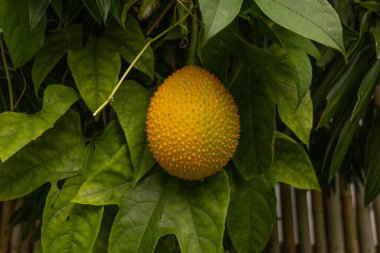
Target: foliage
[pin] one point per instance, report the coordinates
(281, 60)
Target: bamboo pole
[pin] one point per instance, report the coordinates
(319, 222)
(27, 243)
(273, 245)
(376, 206)
(303, 222)
(16, 236)
(287, 220)
(350, 226)
(335, 237)
(366, 240)
(5, 230)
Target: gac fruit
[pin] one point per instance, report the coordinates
(192, 124)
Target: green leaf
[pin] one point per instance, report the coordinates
(280, 82)
(251, 213)
(257, 58)
(20, 128)
(345, 138)
(257, 116)
(316, 20)
(372, 158)
(101, 243)
(72, 226)
(291, 164)
(345, 85)
(98, 8)
(116, 9)
(366, 87)
(69, 227)
(22, 42)
(131, 103)
(217, 15)
(67, 10)
(105, 147)
(128, 43)
(56, 45)
(152, 208)
(300, 119)
(58, 154)
(37, 10)
(95, 70)
(376, 35)
(297, 48)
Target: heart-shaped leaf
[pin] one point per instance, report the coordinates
(95, 70)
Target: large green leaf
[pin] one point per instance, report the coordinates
(159, 205)
(316, 20)
(218, 14)
(22, 42)
(257, 116)
(98, 8)
(56, 45)
(251, 213)
(74, 227)
(129, 43)
(58, 154)
(292, 165)
(131, 103)
(37, 10)
(280, 82)
(69, 227)
(95, 70)
(19, 128)
(372, 158)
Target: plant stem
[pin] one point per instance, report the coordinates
(150, 41)
(7, 75)
(191, 60)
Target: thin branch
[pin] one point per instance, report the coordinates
(134, 62)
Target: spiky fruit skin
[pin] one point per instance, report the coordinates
(192, 124)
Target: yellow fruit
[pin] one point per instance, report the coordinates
(192, 124)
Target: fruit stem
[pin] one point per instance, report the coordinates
(191, 60)
(10, 90)
(148, 43)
